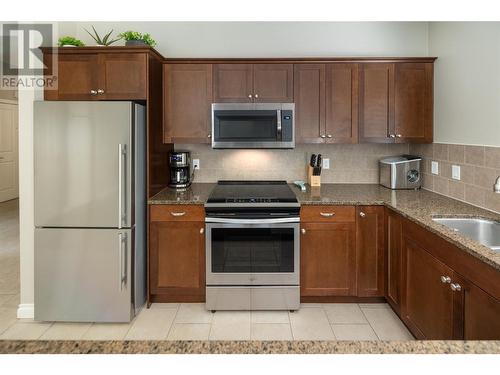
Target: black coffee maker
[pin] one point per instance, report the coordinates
(180, 169)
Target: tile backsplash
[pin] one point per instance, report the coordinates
(357, 163)
(479, 168)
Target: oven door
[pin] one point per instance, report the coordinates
(252, 252)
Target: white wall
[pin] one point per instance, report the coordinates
(276, 39)
(466, 82)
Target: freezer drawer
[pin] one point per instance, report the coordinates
(83, 275)
(83, 158)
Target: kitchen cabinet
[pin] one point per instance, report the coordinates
(177, 253)
(394, 260)
(187, 103)
(253, 83)
(370, 251)
(99, 76)
(327, 251)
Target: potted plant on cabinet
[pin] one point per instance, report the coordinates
(69, 41)
(135, 38)
(104, 41)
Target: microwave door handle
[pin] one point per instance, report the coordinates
(278, 124)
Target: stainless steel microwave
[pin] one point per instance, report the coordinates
(253, 125)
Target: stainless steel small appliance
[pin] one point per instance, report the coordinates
(252, 246)
(400, 172)
(90, 210)
(253, 125)
(180, 169)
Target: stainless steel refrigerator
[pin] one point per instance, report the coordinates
(90, 210)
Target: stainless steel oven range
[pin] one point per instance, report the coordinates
(252, 246)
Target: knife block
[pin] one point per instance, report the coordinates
(313, 180)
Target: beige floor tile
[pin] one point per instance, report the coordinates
(307, 305)
(357, 332)
(107, 331)
(344, 313)
(193, 313)
(386, 324)
(151, 324)
(164, 306)
(7, 318)
(189, 331)
(9, 300)
(271, 331)
(270, 317)
(66, 331)
(311, 324)
(230, 325)
(374, 306)
(25, 331)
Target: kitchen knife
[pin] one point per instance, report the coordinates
(317, 169)
(313, 160)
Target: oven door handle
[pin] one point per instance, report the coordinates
(252, 221)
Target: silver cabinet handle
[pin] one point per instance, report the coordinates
(455, 287)
(177, 214)
(100, 91)
(209, 136)
(329, 136)
(392, 136)
(93, 92)
(323, 136)
(362, 214)
(303, 231)
(327, 214)
(445, 279)
(202, 230)
(122, 260)
(398, 135)
(250, 96)
(121, 154)
(256, 96)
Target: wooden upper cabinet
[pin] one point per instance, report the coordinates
(341, 103)
(273, 83)
(233, 83)
(413, 118)
(187, 103)
(427, 306)
(376, 102)
(76, 77)
(370, 249)
(241, 83)
(309, 94)
(123, 76)
(394, 260)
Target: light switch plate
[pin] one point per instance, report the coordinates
(434, 167)
(196, 163)
(455, 172)
(325, 164)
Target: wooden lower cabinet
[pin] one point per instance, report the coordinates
(394, 255)
(176, 256)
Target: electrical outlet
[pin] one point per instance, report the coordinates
(434, 167)
(196, 163)
(325, 163)
(455, 172)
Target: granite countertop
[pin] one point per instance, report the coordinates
(418, 206)
(249, 347)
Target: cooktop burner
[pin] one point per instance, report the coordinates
(252, 192)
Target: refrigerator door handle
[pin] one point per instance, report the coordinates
(122, 152)
(122, 259)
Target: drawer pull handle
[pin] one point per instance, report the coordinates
(176, 214)
(202, 230)
(455, 287)
(327, 214)
(303, 231)
(362, 214)
(445, 279)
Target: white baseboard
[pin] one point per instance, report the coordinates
(26, 311)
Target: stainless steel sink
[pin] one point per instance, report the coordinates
(486, 232)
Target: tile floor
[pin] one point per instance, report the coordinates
(172, 321)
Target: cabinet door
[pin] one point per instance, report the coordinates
(413, 102)
(188, 97)
(273, 83)
(394, 261)
(123, 76)
(309, 94)
(233, 83)
(370, 242)
(77, 75)
(477, 312)
(328, 259)
(341, 103)
(376, 102)
(177, 260)
(427, 301)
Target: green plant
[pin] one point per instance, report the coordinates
(135, 35)
(105, 41)
(69, 41)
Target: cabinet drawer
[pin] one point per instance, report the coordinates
(177, 212)
(330, 214)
